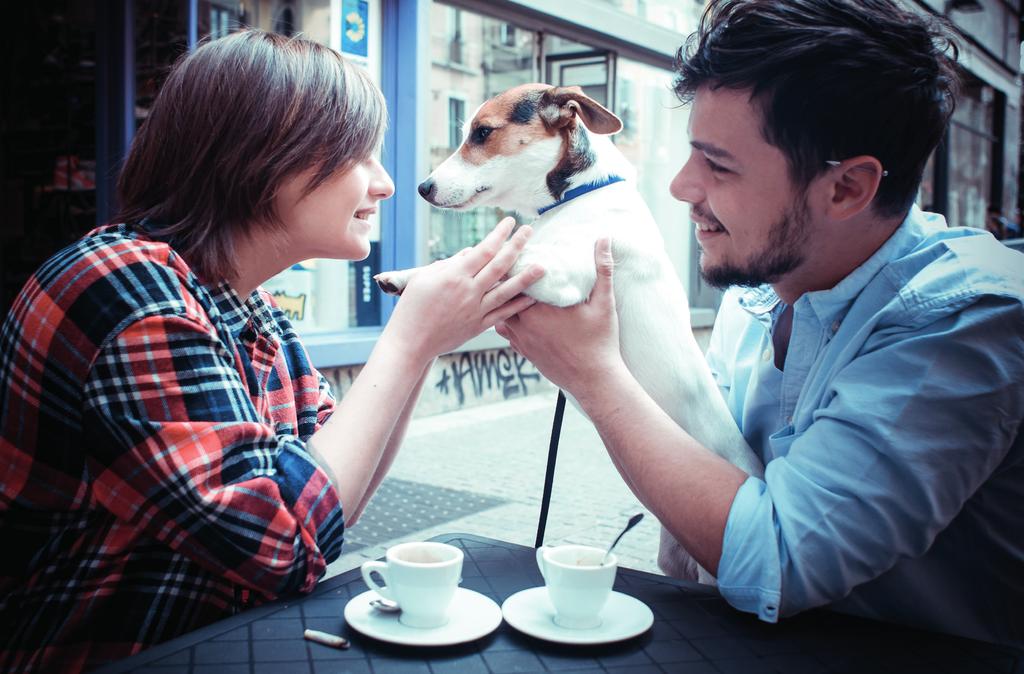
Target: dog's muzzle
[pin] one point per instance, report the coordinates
(427, 189)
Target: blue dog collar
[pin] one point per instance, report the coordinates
(580, 191)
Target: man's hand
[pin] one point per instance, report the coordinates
(577, 346)
(687, 487)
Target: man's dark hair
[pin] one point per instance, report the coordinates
(833, 79)
(234, 120)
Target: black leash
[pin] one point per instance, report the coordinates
(549, 476)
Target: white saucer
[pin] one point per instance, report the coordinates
(530, 612)
(472, 616)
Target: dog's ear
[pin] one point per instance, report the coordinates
(560, 106)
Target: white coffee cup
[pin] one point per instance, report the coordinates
(578, 583)
(421, 577)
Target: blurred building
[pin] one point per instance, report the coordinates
(977, 168)
(80, 76)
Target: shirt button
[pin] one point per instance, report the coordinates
(767, 355)
(835, 326)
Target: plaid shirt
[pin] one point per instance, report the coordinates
(154, 470)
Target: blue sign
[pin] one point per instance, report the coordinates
(367, 292)
(354, 27)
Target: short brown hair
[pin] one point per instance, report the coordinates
(233, 120)
(833, 79)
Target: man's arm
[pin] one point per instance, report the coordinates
(874, 478)
(689, 488)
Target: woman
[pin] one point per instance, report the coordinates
(169, 453)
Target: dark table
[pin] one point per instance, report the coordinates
(694, 631)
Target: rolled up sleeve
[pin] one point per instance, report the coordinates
(910, 429)
(749, 573)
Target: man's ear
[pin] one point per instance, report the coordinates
(560, 106)
(852, 185)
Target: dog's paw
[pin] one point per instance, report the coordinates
(392, 282)
(556, 292)
(562, 284)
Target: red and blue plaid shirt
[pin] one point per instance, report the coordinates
(154, 466)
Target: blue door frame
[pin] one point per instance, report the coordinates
(403, 79)
(115, 97)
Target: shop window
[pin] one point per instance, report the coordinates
(285, 23)
(455, 41)
(507, 34)
(971, 145)
(48, 132)
(456, 117)
(220, 22)
(489, 67)
(678, 15)
(51, 123)
(655, 140)
(569, 63)
(161, 37)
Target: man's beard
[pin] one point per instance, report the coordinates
(782, 253)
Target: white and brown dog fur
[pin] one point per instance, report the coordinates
(522, 151)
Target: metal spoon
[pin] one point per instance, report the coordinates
(633, 521)
(385, 605)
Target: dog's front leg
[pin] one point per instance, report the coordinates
(395, 282)
(569, 275)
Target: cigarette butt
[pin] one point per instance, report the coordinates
(332, 640)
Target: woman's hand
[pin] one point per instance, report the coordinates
(450, 301)
(574, 347)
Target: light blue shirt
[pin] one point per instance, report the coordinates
(894, 479)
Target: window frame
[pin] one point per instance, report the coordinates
(455, 125)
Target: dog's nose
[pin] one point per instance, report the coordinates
(427, 188)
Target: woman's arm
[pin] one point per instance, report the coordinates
(444, 305)
(391, 450)
(326, 407)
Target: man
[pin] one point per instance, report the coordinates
(870, 355)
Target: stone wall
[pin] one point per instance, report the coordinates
(468, 378)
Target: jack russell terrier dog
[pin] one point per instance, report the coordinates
(545, 153)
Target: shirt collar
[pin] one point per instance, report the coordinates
(253, 312)
(760, 302)
(832, 304)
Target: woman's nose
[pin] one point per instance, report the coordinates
(381, 185)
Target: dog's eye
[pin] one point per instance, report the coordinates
(480, 135)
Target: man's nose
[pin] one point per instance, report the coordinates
(686, 186)
(427, 188)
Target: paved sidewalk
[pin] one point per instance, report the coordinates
(481, 471)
